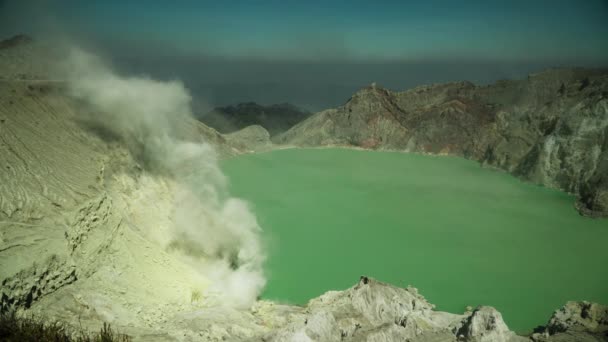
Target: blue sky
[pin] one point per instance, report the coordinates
(355, 30)
(316, 53)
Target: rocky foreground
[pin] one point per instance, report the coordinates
(90, 227)
(551, 128)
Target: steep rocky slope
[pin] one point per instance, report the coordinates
(129, 224)
(72, 194)
(551, 128)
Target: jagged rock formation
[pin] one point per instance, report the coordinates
(576, 321)
(486, 324)
(551, 128)
(275, 118)
(68, 191)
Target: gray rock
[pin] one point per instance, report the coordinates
(485, 324)
(576, 321)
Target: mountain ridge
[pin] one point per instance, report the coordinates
(275, 118)
(550, 128)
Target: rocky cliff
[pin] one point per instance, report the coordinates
(551, 128)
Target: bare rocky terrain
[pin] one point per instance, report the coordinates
(84, 217)
(551, 128)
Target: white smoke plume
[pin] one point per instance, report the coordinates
(216, 233)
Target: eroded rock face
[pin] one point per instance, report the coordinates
(369, 311)
(485, 324)
(576, 321)
(74, 208)
(551, 128)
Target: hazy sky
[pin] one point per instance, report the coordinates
(330, 44)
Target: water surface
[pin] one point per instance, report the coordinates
(463, 235)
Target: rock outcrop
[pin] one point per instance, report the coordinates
(369, 311)
(576, 321)
(551, 128)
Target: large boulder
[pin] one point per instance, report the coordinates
(485, 324)
(576, 321)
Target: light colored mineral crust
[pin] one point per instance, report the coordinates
(485, 324)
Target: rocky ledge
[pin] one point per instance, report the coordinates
(375, 311)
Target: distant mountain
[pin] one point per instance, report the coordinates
(276, 118)
(551, 128)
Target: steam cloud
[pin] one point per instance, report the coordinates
(217, 233)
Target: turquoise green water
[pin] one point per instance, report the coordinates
(461, 234)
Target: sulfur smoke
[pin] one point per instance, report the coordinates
(216, 233)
